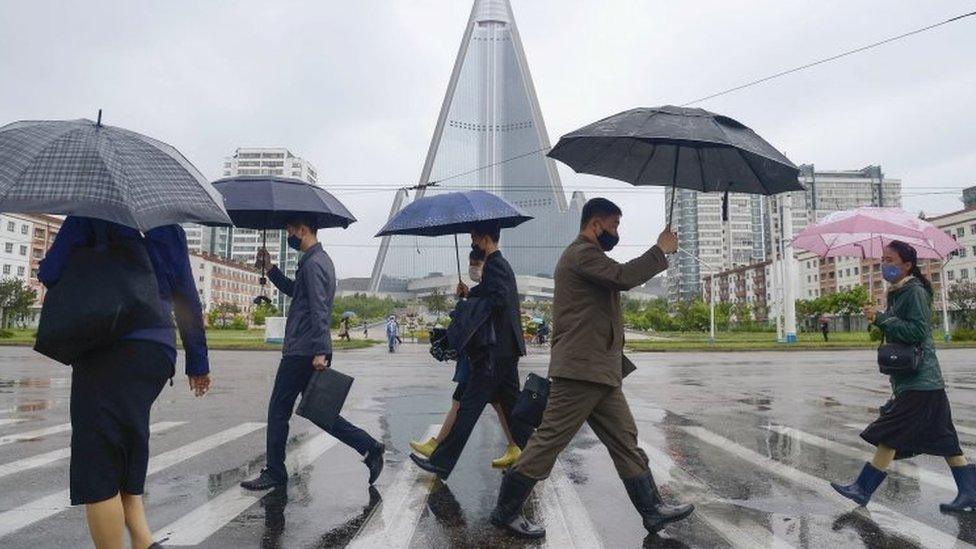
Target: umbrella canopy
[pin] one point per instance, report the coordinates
(678, 147)
(80, 167)
(269, 202)
(864, 232)
(348, 314)
(453, 213)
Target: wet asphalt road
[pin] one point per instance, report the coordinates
(751, 438)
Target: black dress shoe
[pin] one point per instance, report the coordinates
(374, 462)
(264, 482)
(426, 465)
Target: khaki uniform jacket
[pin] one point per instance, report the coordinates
(588, 331)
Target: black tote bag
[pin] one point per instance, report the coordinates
(105, 291)
(532, 400)
(324, 397)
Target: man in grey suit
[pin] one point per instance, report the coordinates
(587, 370)
(307, 348)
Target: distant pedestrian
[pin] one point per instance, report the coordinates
(307, 348)
(392, 332)
(344, 329)
(825, 328)
(918, 419)
(113, 389)
(365, 330)
(587, 370)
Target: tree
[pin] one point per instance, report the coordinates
(436, 302)
(962, 295)
(222, 314)
(848, 303)
(16, 300)
(261, 312)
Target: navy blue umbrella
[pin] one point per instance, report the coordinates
(267, 202)
(452, 213)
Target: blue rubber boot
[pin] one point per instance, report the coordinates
(865, 485)
(966, 482)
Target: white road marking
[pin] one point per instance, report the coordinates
(12, 421)
(906, 527)
(566, 520)
(199, 524)
(50, 505)
(31, 435)
(394, 520)
(903, 468)
(741, 534)
(63, 453)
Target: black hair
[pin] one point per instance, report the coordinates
(308, 220)
(491, 229)
(598, 207)
(476, 254)
(908, 254)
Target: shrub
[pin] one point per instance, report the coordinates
(964, 334)
(239, 323)
(6, 334)
(875, 333)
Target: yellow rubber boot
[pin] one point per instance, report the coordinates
(425, 449)
(508, 459)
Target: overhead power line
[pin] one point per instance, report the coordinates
(831, 58)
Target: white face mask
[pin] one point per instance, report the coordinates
(475, 273)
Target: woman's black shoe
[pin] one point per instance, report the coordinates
(264, 482)
(646, 499)
(426, 465)
(374, 462)
(515, 489)
(966, 482)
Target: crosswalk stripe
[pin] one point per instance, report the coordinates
(50, 505)
(752, 535)
(196, 526)
(394, 521)
(63, 453)
(902, 468)
(11, 421)
(566, 520)
(31, 435)
(886, 518)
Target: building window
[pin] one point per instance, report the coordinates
(23, 250)
(24, 229)
(10, 226)
(951, 275)
(963, 274)
(6, 269)
(20, 271)
(960, 231)
(962, 252)
(8, 247)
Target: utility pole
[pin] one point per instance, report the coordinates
(789, 301)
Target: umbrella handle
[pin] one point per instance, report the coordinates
(457, 257)
(674, 192)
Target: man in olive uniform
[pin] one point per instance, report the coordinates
(587, 369)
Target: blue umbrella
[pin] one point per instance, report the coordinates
(453, 213)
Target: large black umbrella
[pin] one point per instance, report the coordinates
(269, 202)
(80, 167)
(453, 213)
(678, 147)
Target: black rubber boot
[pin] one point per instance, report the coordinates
(966, 482)
(507, 514)
(646, 499)
(863, 488)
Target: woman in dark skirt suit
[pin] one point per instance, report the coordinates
(918, 419)
(113, 388)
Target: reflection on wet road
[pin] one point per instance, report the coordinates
(751, 439)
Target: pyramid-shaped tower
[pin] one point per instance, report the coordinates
(490, 128)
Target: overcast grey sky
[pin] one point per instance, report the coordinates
(355, 86)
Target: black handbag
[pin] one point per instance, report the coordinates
(440, 347)
(898, 358)
(532, 400)
(105, 291)
(324, 396)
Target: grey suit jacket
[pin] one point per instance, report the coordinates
(308, 328)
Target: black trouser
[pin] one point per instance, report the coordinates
(294, 372)
(500, 383)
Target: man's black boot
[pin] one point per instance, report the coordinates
(646, 499)
(374, 461)
(264, 482)
(515, 489)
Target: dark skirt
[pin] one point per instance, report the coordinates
(916, 422)
(112, 391)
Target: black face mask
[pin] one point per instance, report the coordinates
(607, 240)
(295, 243)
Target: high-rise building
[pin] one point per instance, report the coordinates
(242, 245)
(490, 135)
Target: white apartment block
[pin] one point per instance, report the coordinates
(220, 280)
(16, 242)
(960, 225)
(269, 161)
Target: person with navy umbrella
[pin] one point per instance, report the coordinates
(307, 348)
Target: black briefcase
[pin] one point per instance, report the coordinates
(324, 396)
(532, 400)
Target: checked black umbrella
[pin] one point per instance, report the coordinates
(269, 202)
(84, 168)
(678, 147)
